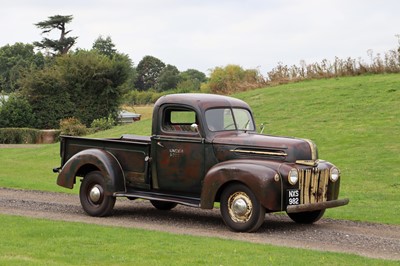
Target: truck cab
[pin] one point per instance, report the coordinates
(204, 149)
(183, 134)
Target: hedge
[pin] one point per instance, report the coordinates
(27, 136)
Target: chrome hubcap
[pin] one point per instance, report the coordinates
(240, 207)
(95, 194)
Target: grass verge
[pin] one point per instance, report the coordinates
(26, 241)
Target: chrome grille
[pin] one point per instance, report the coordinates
(313, 185)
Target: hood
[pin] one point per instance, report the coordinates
(239, 145)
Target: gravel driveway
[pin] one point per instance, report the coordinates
(365, 239)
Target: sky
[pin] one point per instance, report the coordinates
(204, 34)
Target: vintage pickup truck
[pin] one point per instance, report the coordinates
(203, 149)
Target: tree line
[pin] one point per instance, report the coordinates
(48, 81)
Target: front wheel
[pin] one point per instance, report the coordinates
(92, 194)
(240, 209)
(306, 217)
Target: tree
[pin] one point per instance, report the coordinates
(124, 66)
(49, 97)
(84, 84)
(16, 61)
(190, 80)
(107, 47)
(94, 82)
(104, 46)
(168, 79)
(193, 74)
(148, 72)
(64, 43)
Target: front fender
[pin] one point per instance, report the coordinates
(92, 160)
(263, 180)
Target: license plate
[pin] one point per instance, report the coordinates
(293, 196)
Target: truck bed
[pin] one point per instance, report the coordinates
(132, 152)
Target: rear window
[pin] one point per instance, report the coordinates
(178, 120)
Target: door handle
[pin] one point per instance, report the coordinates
(159, 144)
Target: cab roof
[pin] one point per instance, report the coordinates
(201, 101)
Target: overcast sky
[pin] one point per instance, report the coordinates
(204, 34)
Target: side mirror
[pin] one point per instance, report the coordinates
(195, 128)
(262, 127)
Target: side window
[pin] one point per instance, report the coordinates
(178, 120)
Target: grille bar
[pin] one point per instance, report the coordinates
(313, 185)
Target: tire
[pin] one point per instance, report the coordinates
(306, 217)
(240, 209)
(163, 205)
(92, 195)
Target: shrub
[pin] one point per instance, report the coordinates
(234, 78)
(388, 63)
(135, 97)
(19, 135)
(47, 94)
(16, 112)
(103, 123)
(188, 85)
(73, 127)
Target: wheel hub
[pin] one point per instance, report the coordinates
(95, 194)
(240, 207)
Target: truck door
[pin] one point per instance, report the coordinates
(179, 153)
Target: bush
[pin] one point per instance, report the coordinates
(16, 112)
(47, 94)
(19, 135)
(188, 85)
(103, 123)
(233, 78)
(389, 63)
(72, 127)
(135, 97)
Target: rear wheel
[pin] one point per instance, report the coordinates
(163, 205)
(92, 195)
(306, 217)
(240, 209)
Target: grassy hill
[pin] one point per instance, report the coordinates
(355, 122)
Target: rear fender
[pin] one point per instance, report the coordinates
(264, 181)
(93, 160)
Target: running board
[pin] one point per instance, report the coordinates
(188, 201)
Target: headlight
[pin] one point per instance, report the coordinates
(334, 174)
(293, 176)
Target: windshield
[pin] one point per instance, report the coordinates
(221, 119)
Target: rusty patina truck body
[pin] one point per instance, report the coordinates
(203, 149)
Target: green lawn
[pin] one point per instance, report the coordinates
(25, 241)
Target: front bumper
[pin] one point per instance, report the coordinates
(316, 206)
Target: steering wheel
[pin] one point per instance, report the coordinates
(230, 125)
